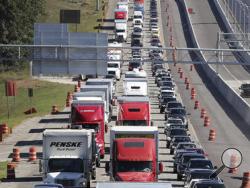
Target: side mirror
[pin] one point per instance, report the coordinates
(152, 123)
(161, 167)
(107, 167)
(188, 114)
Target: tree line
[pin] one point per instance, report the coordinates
(17, 18)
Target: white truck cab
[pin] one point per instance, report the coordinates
(121, 30)
(115, 66)
(138, 18)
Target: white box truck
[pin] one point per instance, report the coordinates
(69, 157)
(135, 86)
(104, 81)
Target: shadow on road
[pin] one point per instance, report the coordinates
(36, 130)
(23, 179)
(55, 120)
(29, 143)
(26, 155)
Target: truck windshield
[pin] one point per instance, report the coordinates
(134, 122)
(93, 126)
(138, 17)
(65, 165)
(111, 72)
(134, 166)
(120, 30)
(113, 65)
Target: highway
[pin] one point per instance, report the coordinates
(230, 132)
(206, 28)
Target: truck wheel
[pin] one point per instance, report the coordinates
(98, 163)
(168, 144)
(88, 184)
(175, 170)
(171, 151)
(179, 177)
(93, 175)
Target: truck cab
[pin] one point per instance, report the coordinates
(116, 67)
(133, 110)
(121, 30)
(134, 159)
(134, 154)
(89, 115)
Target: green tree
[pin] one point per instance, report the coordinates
(16, 24)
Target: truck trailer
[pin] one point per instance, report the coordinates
(134, 154)
(135, 86)
(69, 157)
(108, 95)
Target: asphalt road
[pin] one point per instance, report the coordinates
(206, 28)
(229, 133)
(30, 132)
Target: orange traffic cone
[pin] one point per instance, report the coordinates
(11, 171)
(181, 74)
(16, 155)
(246, 180)
(77, 89)
(233, 161)
(54, 109)
(212, 135)
(206, 121)
(32, 154)
(5, 128)
(203, 113)
(196, 104)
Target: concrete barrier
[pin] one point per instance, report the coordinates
(244, 56)
(233, 98)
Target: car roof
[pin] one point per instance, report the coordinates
(192, 154)
(200, 159)
(186, 143)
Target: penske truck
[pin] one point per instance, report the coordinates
(134, 154)
(69, 157)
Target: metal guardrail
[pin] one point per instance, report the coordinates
(178, 52)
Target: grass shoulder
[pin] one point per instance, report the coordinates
(45, 94)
